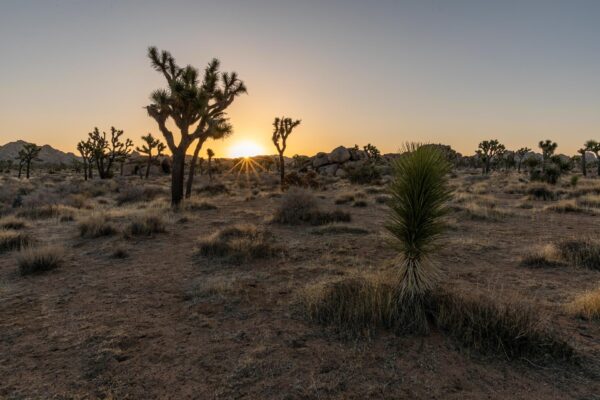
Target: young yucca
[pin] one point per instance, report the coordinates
(419, 194)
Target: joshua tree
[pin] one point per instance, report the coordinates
(283, 128)
(548, 147)
(150, 143)
(106, 152)
(197, 109)
(26, 155)
(87, 154)
(488, 149)
(420, 192)
(594, 147)
(582, 151)
(372, 152)
(210, 155)
(521, 154)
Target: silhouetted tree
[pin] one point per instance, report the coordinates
(26, 155)
(108, 151)
(522, 152)
(594, 147)
(210, 155)
(151, 143)
(548, 147)
(372, 152)
(197, 109)
(283, 128)
(86, 151)
(488, 149)
(582, 151)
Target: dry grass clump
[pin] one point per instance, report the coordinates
(35, 260)
(12, 240)
(238, 243)
(567, 206)
(581, 252)
(354, 307)
(485, 213)
(194, 205)
(213, 189)
(336, 229)
(96, 226)
(42, 212)
(300, 206)
(146, 224)
(589, 201)
(509, 329)
(137, 193)
(12, 222)
(383, 199)
(344, 199)
(547, 256)
(360, 203)
(542, 192)
(586, 305)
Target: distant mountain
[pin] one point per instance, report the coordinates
(48, 154)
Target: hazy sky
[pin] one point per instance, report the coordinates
(383, 72)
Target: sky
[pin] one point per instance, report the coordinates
(356, 72)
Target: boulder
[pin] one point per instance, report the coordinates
(589, 156)
(339, 155)
(329, 170)
(341, 173)
(320, 159)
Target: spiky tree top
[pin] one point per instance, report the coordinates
(210, 153)
(188, 102)
(283, 127)
(592, 146)
(490, 148)
(28, 152)
(112, 148)
(522, 152)
(151, 143)
(548, 147)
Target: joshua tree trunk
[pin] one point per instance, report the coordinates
(20, 170)
(282, 170)
(27, 169)
(148, 166)
(209, 170)
(85, 170)
(583, 165)
(190, 180)
(177, 177)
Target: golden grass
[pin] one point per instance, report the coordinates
(33, 260)
(586, 305)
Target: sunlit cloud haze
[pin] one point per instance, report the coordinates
(383, 72)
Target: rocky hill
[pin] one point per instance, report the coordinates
(48, 154)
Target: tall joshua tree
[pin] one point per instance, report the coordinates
(521, 153)
(488, 149)
(582, 151)
(108, 151)
(210, 155)
(548, 147)
(420, 192)
(283, 128)
(197, 109)
(594, 147)
(26, 155)
(150, 143)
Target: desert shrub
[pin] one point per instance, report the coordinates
(146, 224)
(541, 192)
(548, 256)
(305, 180)
(43, 212)
(239, 243)
(199, 206)
(383, 199)
(12, 240)
(364, 174)
(137, 193)
(360, 203)
(35, 260)
(482, 213)
(353, 307)
(581, 252)
(12, 222)
(589, 201)
(567, 206)
(344, 199)
(335, 229)
(213, 189)
(586, 305)
(96, 226)
(299, 206)
(574, 180)
(120, 253)
(509, 329)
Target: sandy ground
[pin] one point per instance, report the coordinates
(165, 323)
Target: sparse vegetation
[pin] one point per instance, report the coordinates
(299, 206)
(239, 243)
(34, 260)
(12, 240)
(146, 224)
(586, 305)
(581, 252)
(96, 226)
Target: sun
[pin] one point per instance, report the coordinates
(245, 149)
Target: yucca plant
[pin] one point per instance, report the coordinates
(419, 196)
